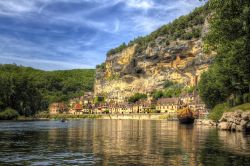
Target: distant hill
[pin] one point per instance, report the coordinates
(29, 90)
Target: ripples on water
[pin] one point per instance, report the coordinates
(119, 142)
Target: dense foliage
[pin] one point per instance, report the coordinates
(218, 111)
(184, 28)
(136, 97)
(28, 90)
(9, 114)
(171, 89)
(228, 79)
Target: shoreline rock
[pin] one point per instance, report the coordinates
(205, 122)
(235, 121)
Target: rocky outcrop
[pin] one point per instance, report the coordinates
(126, 72)
(174, 53)
(235, 121)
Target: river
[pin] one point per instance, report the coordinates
(119, 142)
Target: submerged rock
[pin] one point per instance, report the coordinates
(205, 122)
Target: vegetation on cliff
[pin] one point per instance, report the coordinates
(228, 79)
(136, 97)
(171, 89)
(29, 91)
(184, 28)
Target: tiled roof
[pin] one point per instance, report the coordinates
(163, 101)
(78, 106)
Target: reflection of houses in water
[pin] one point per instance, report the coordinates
(147, 142)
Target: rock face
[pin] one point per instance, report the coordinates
(235, 121)
(126, 73)
(165, 55)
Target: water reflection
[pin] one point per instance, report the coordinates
(119, 142)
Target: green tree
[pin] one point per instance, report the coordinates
(136, 97)
(229, 37)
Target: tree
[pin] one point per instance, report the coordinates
(136, 97)
(229, 37)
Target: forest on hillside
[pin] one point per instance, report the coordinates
(184, 28)
(29, 91)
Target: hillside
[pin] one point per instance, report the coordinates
(29, 90)
(174, 52)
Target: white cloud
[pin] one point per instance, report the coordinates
(144, 24)
(140, 4)
(44, 64)
(137, 17)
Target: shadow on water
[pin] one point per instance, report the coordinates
(119, 142)
(226, 148)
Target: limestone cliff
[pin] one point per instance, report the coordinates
(129, 71)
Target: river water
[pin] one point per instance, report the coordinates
(120, 142)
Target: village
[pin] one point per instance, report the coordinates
(86, 104)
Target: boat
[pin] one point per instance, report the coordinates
(185, 116)
(63, 120)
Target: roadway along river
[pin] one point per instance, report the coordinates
(119, 142)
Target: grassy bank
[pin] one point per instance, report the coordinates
(46, 115)
(219, 109)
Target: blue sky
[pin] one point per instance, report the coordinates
(68, 34)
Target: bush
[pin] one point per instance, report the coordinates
(136, 97)
(157, 94)
(168, 83)
(9, 114)
(44, 114)
(218, 111)
(106, 112)
(101, 66)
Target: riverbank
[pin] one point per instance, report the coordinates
(146, 116)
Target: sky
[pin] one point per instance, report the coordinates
(70, 34)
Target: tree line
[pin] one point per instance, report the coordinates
(29, 91)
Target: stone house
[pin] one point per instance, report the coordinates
(88, 98)
(199, 107)
(145, 106)
(187, 98)
(58, 108)
(88, 109)
(120, 108)
(168, 105)
(125, 108)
